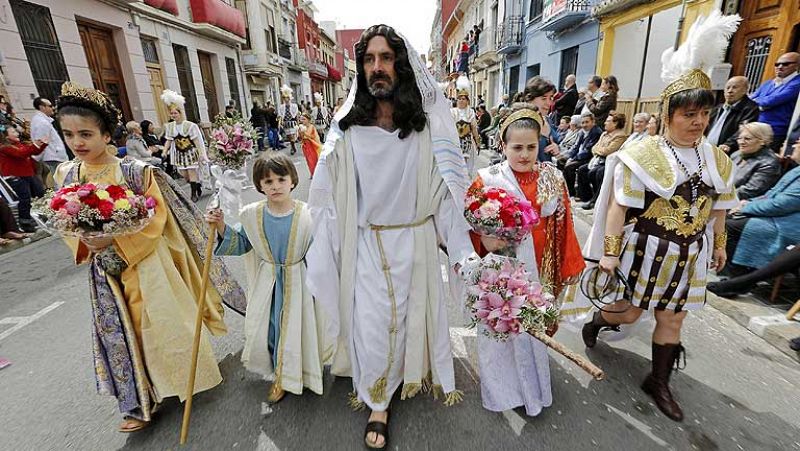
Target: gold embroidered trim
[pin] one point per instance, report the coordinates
(453, 398)
(724, 164)
(410, 389)
(648, 155)
(727, 197)
(551, 184)
(673, 214)
(354, 403)
(627, 184)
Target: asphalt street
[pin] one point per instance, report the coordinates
(738, 392)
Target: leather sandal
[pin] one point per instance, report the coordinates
(132, 425)
(380, 428)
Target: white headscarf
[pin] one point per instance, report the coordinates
(445, 143)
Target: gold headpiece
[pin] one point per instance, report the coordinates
(462, 93)
(70, 89)
(525, 113)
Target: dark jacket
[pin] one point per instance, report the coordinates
(602, 107)
(484, 122)
(755, 173)
(258, 117)
(582, 150)
(565, 105)
(745, 110)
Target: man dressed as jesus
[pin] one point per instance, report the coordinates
(387, 194)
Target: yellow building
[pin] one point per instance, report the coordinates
(632, 39)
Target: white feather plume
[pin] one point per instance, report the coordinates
(170, 97)
(463, 83)
(705, 46)
(286, 91)
(318, 97)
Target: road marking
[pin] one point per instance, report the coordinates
(642, 427)
(22, 321)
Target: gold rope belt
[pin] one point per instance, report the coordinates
(378, 391)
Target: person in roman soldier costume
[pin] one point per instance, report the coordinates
(663, 227)
(288, 113)
(466, 124)
(187, 149)
(320, 116)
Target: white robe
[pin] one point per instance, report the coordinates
(393, 182)
(302, 347)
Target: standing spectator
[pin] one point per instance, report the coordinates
(503, 102)
(480, 100)
(565, 105)
(539, 93)
(259, 121)
(273, 129)
(463, 60)
(8, 225)
(581, 152)
(725, 120)
(17, 166)
(592, 91)
(601, 105)
(590, 175)
(581, 102)
(757, 166)
(484, 123)
(41, 127)
(776, 98)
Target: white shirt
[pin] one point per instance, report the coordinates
(781, 81)
(716, 129)
(41, 127)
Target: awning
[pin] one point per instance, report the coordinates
(333, 74)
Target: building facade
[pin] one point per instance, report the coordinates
(548, 38)
(130, 49)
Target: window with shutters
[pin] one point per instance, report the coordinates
(230, 67)
(186, 81)
(41, 46)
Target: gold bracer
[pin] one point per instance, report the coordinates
(720, 240)
(612, 245)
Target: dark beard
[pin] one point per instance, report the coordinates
(381, 93)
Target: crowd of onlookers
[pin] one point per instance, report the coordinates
(760, 131)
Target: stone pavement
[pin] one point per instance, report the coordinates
(751, 309)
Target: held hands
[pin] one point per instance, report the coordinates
(492, 244)
(725, 148)
(97, 244)
(552, 149)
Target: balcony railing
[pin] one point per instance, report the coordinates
(317, 68)
(509, 35)
(560, 15)
(219, 14)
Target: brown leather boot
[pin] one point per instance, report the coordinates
(657, 382)
(592, 329)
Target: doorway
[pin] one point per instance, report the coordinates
(101, 54)
(209, 86)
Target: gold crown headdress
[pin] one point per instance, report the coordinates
(286, 92)
(524, 113)
(172, 99)
(74, 90)
(463, 86)
(685, 68)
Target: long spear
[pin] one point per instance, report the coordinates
(198, 327)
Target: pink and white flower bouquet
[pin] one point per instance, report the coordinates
(502, 298)
(95, 210)
(232, 141)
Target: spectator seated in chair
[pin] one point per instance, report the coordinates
(569, 139)
(590, 175)
(760, 228)
(581, 152)
(786, 262)
(757, 166)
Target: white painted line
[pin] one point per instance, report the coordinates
(642, 427)
(24, 321)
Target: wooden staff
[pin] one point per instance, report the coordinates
(198, 327)
(584, 364)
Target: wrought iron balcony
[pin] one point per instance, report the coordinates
(318, 69)
(509, 35)
(560, 15)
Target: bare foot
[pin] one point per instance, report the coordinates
(375, 440)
